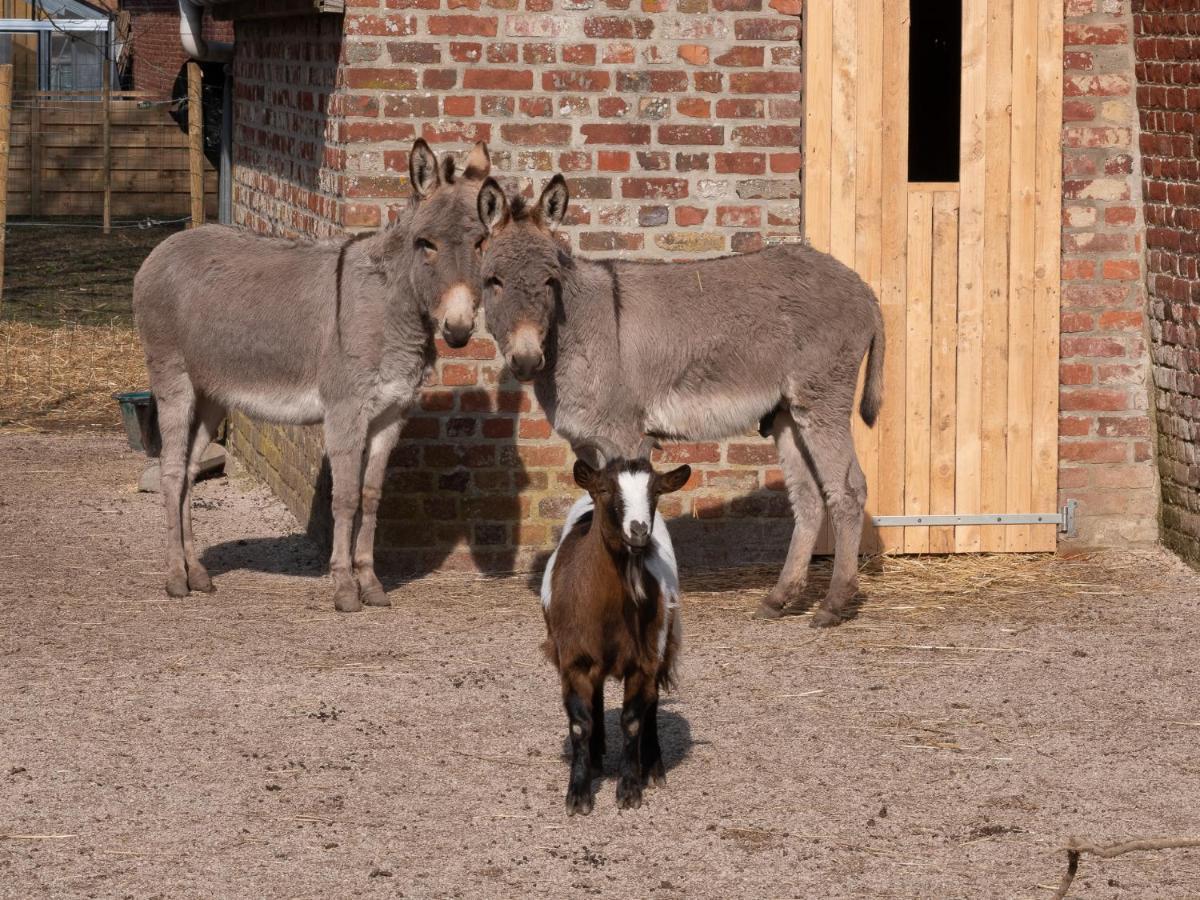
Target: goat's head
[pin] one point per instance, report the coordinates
(625, 493)
(447, 238)
(522, 271)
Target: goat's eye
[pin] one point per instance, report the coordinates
(425, 246)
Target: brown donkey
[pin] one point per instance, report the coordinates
(338, 332)
(610, 596)
(625, 352)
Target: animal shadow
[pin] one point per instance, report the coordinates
(290, 554)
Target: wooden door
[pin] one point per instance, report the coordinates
(967, 272)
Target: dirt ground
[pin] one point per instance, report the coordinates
(253, 743)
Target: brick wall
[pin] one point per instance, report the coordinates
(678, 127)
(157, 53)
(1168, 74)
(1106, 443)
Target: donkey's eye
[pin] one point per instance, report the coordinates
(479, 244)
(494, 284)
(426, 247)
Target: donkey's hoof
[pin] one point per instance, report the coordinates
(767, 611)
(629, 794)
(199, 580)
(346, 600)
(823, 618)
(375, 596)
(579, 803)
(177, 586)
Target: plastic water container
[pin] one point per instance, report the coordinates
(139, 413)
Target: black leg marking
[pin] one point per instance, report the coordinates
(652, 765)
(597, 744)
(579, 790)
(629, 787)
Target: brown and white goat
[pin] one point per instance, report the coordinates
(610, 596)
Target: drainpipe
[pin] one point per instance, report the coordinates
(191, 34)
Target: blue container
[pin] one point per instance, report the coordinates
(139, 413)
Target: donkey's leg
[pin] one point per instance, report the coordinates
(641, 692)
(578, 693)
(831, 449)
(379, 448)
(176, 400)
(206, 420)
(345, 437)
(808, 510)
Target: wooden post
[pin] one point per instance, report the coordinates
(6, 76)
(35, 155)
(196, 142)
(106, 99)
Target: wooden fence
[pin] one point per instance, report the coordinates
(56, 164)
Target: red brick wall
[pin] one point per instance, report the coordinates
(157, 52)
(1168, 95)
(678, 127)
(1106, 442)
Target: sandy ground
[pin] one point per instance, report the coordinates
(254, 743)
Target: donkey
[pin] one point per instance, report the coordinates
(610, 596)
(338, 332)
(623, 353)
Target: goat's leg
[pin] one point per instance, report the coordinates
(653, 770)
(578, 694)
(207, 419)
(597, 743)
(176, 402)
(831, 449)
(808, 509)
(640, 692)
(379, 448)
(344, 441)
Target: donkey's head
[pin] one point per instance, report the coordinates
(625, 493)
(447, 239)
(522, 271)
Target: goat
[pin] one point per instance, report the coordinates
(610, 597)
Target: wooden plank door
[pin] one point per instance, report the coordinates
(967, 273)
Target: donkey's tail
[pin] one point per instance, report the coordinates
(872, 398)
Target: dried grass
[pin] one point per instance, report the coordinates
(66, 375)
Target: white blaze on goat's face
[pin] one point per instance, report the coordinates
(457, 309)
(635, 502)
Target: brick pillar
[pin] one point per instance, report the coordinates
(1167, 43)
(1106, 444)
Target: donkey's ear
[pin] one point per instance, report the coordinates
(422, 169)
(448, 169)
(585, 475)
(479, 163)
(492, 205)
(669, 482)
(553, 202)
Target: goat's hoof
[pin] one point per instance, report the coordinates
(658, 775)
(375, 596)
(767, 611)
(579, 803)
(346, 600)
(177, 586)
(823, 618)
(199, 580)
(629, 794)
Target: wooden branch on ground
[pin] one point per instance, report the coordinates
(1076, 847)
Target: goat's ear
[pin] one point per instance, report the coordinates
(553, 202)
(479, 163)
(585, 475)
(668, 482)
(423, 169)
(492, 205)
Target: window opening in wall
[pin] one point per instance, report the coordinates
(934, 90)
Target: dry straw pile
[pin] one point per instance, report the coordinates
(66, 375)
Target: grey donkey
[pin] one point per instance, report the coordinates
(623, 353)
(338, 332)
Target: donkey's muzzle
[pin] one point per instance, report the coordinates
(457, 334)
(525, 366)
